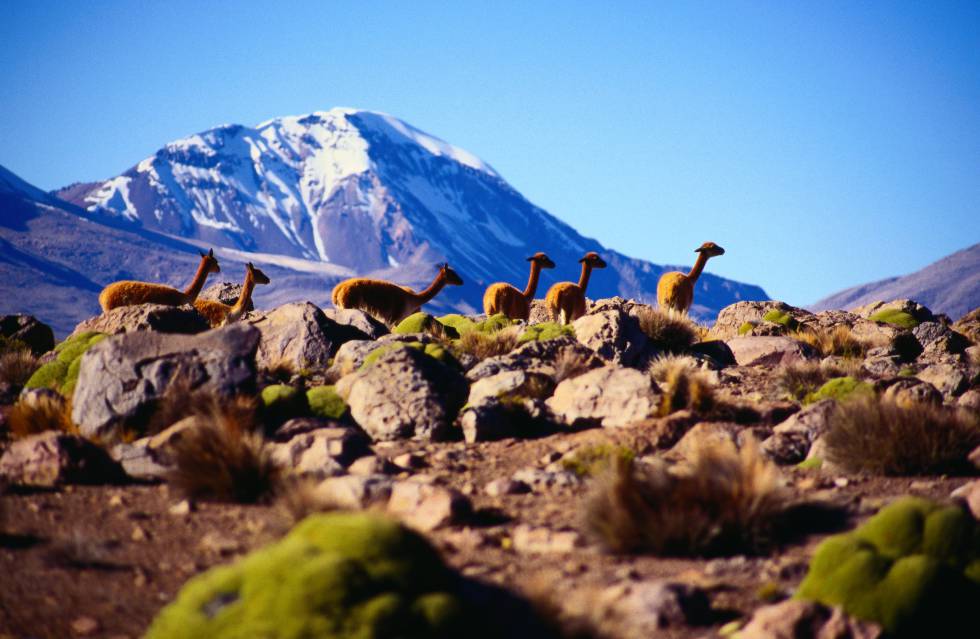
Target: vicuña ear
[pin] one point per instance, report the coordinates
(202, 253)
(210, 252)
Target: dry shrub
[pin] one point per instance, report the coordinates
(570, 364)
(683, 384)
(880, 437)
(224, 457)
(670, 330)
(39, 413)
(724, 501)
(483, 345)
(839, 341)
(16, 367)
(802, 378)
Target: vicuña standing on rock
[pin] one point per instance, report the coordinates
(218, 313)
(675, 290)
(389, 302)
(128, 293)
(565, 300)
(504, 298)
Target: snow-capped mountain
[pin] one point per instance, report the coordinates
(368, 193)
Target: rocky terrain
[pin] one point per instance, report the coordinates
(313, 472)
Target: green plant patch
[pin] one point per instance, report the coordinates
(434, 350)
(913, 568)
(334, 576)
(814, 463)
(422, 322)
(840, 389)
(745, 328)
(494, 323)
(324, 402)
(590, 461)
(895, 317)
(545, 331)
(282, 402)
(459, 323)
(782, 318)
(61, 373)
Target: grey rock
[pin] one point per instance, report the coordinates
(300, 335)
(488, 420)
(406, 394)
(732, 317)
(152, 458)
(516, 383)
(351, 355)
(769, 351)
(614, 336)
(428, 507)
(799, 619)
(28, 329)
(949, 379)
(643, 608)
(913, 308)
(324, 452)
(543, 541)
(53, 458)
(538, 357)
(970, 400)
(122, 377)
(969, 494)
(226, 293)
(791, 439)
(539, 479)
(146, 317)
(365, 323)
(355, 492)
(707, 434)
(505, 486)
(609, 396)
(882, 365)
(909, 391)
(372, 465)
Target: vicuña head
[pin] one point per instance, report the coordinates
(566, 300)
(218, 313)
(504, 298)
(128, 293)
(675, 290)
(387, 301)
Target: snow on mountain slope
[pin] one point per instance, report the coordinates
(950, 285)
(367, 192)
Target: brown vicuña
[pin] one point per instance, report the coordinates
(504, 298)
(566, 300)
(387, 301)
(128, 293)
(675, 290)
(218, 313)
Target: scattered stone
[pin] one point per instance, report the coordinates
(540, 540)
(407, 393)
(372, 465)
(969, 326)
(715, 352)
(27, 329)
(517, 383)
(769, 351)
(146, 317)
(970, 400)
(733, 318)
(411, 461)
(707, 434)
(613, 335)
(181, 509)
(882, 365)
(300, 335)
(791, 440)
(85, 626)
(122, 377)
(938, 340)
(426, 506)
(969, 494)
(913, 308)
(949, 379)
(642, 609)
(504, 486)
(321, 453)
(909, 391)
(371, 328)
(53, 458)
(798, 619)
(539, 479)
(219, 544)
(225, 292)
(538, 357)
(489, 420)
(607, 396)
(355, 492)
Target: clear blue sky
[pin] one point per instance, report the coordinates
(824, 144)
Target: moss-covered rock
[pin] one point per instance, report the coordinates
(325, 402)
(895, 317)
(459, 323)
(494, 323)
(421, 322)
(281, 402)
(782, 318)
(909, 568)
(334, 576)
(745, 328)
(840, 389)
(545, 331)
(61, 373)
(432, 349)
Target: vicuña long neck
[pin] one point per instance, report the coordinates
(425, 295)
(532, 281)
(246, 293)
(698, 267)
(198, 283)
(583, 279)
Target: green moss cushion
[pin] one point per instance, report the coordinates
(912, 568)
(424, 323)
(840, 389)
(334, 576)
(545, 331)
(782, 318)
(434, 350)
(325, 402)
(459, 323)
(895, 317)
(61, 373)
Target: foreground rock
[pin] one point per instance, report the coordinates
(642, 609)
(122, 378)
(370, 327)
(299, 335)
(795, 619)
(406, 393)
(614, 336)
(769, 351)
(792, 439)
(52, 458)
(146, 317)
(548, 357)
(27, 329)
(607, 396)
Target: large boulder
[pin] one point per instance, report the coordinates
(769, 351)
(405, 393)
(226, 293)
(146, 317)
(300, 335)
(884, 309)
(614, 335)
(122, 378)
(792, 439)
(741, 318)
(27, 329)
(939, 340)
(535, 356)
(372, 328)
(609, 396)
(352, 355)
(969, 326)
(52, 458)
(795, 619)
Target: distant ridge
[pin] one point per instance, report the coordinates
(950, 285)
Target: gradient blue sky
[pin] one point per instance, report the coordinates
(824, 144)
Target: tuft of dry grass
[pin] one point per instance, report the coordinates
(878, 436)
(17, 366)
(570, 364)
(39, 413)
(670, 330)
(684, 385)
(224, 457)
(839, 341)
(483, 345)
(799, 379)
(724, 501)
